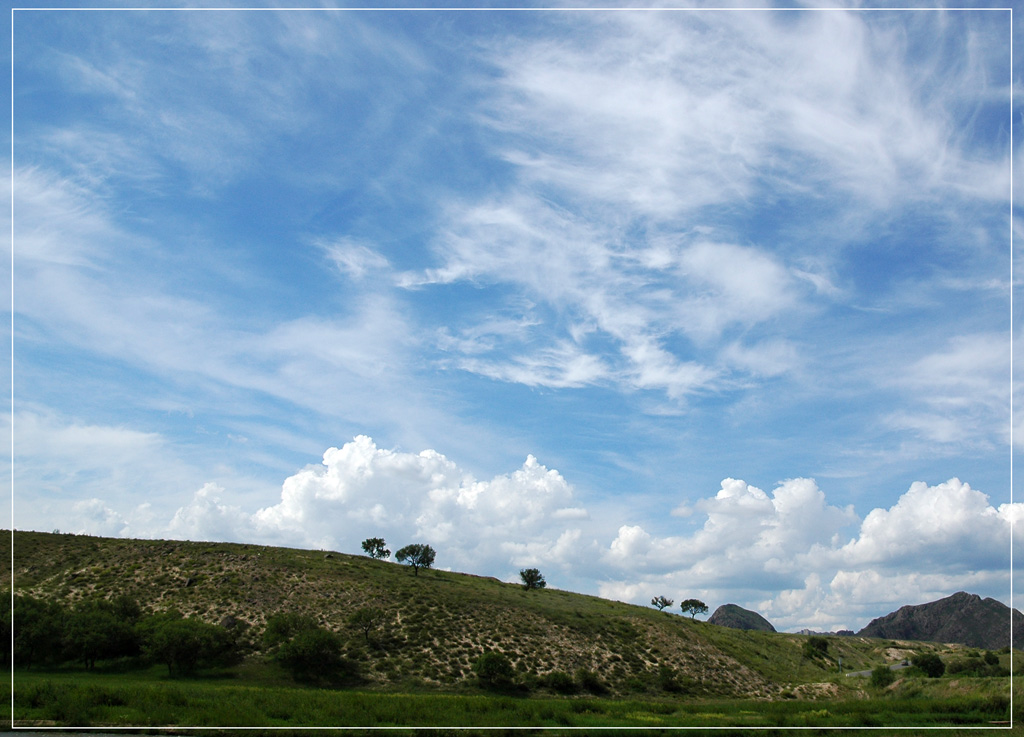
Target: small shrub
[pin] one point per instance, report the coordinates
(882, 676)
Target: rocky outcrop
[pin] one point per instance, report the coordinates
(731, 615)
(962, 618)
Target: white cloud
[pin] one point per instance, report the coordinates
(560, 366)
(791, 555)
(361, 490)
(206, 517)
(731, 284)
(353, 259)
(960, 394)
(94, 517)
(673, 111)
(930, 521)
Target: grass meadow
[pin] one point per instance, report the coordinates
(150, 700)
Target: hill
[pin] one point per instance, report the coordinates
(962, 618)
(732, 615)
(437, 624)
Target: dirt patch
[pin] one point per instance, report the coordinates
(816, 691)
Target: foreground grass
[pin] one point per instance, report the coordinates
(148, 700)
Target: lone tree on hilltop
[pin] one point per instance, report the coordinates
(661, 602)
(532, 579)
(374, 547)
(416, 555)
(694, 607)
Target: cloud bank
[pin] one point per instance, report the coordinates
(790, 554)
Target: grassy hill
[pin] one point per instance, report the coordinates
(438, 623)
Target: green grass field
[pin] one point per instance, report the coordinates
(148, 699)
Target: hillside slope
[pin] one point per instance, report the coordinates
(962, 618)
(437, 623)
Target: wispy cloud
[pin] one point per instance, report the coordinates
(654, 249)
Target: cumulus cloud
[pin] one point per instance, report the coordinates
(806, 563)
(94, 517)
(206, 517)
(360, 490)
(745, 532)
(789, 553)
(930, 521)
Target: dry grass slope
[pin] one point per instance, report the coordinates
(437, 624)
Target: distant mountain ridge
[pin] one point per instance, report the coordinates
(732, 615)
(962, 618)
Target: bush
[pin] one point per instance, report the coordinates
(930, 664)
(882, 676)
(283, 626)
(590, 681)
(311, 654)
(977, 667)
(815, 647)
(560, 682)
(668, 679)
(493, 669)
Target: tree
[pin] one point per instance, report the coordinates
(93, 631)
(930, 664)
(38, 628)
(374, 547)
(661, 602)
(186, 644)
(532, 579)
(694, 607)
(416, 555)
(367, 619)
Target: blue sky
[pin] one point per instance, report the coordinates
(706, 303)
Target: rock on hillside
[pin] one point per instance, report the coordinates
(731, 615)
(962, 618)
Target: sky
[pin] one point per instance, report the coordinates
(700, 303)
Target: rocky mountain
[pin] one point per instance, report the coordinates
(731, 615)
(962, 618)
